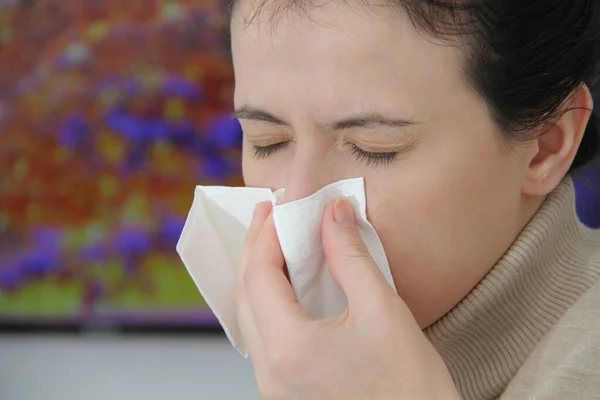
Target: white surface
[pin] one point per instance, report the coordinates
(123, 368)
(212, 243)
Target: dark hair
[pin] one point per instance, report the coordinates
(525, 58)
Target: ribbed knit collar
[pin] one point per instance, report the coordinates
(486, 338)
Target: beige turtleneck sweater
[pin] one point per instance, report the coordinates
(531, 328)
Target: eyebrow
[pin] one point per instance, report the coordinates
(367, 120)
(256, 114)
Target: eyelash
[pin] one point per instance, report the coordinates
(373, 159)
(370, 158)
(261, 152)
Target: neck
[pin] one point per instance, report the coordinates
(485, 339)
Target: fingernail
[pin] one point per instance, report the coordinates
(343, 213)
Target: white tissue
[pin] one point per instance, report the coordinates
(212, 241)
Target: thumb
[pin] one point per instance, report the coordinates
(349, 260)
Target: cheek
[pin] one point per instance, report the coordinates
(266, 173)
(408, 214)
(438, 216)
(434, 199)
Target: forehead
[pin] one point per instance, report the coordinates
(338, 55)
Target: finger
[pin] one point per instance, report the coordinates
(243, 313)
(261, 212)
(248, 329)
(349, 260)
(270, 294)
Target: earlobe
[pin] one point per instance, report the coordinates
(557, 145)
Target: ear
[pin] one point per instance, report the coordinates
(554, 150)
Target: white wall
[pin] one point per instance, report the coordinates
(123, 368)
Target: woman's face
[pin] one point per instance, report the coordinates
(344, 91)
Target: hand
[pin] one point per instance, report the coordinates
(374, 350)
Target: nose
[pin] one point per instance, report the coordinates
(307, 173)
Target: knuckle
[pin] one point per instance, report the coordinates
(284, 359)
(289, 363)
(246, 277)
(356, 249)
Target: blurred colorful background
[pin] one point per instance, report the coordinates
(111, 112)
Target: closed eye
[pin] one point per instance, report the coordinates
(261, 152)
(375, 159)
